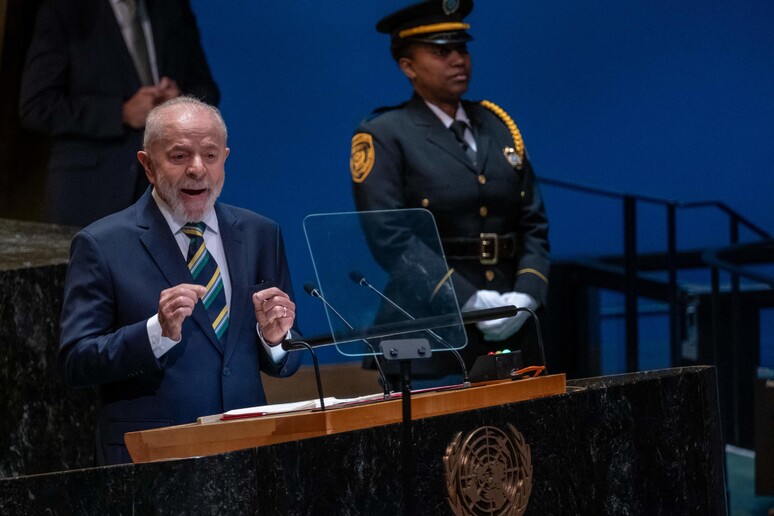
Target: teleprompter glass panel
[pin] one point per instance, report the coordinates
(382, 274)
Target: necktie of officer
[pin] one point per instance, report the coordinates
(138, 47)
(205, 271)
(458, 128)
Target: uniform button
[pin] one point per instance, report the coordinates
(481, 179)
(483, 211)
(226, 371)
(489, 275)
(425, 202)
(523, 194)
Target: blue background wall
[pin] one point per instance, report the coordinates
(673, 100)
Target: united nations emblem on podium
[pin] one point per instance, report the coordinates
(488, 472)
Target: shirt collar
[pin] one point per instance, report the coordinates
(175, 224)
(445, 119)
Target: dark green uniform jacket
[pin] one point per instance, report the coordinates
(404, 157)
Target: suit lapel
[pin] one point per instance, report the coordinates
(436, 133)
(234, 249)
(163, 249)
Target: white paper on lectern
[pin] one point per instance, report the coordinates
(280, 408)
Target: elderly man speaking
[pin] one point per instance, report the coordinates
(174, 305)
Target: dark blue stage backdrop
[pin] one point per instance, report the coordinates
(673, 100)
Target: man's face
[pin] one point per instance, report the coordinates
(439, 73)
(186, 165)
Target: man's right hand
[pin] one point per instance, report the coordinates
(175, 304)
(136, 109)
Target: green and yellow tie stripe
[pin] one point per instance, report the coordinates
(205, 271)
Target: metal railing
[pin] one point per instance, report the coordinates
(631, 260)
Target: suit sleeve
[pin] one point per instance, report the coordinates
(292, 360)
(91, 349)
(47, 104)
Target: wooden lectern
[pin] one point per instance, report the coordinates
(199, 439)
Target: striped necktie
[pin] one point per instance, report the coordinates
(205, 271)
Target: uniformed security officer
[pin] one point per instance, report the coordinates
(466, 163)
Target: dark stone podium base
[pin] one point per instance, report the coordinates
(643, 443)
(45, 425)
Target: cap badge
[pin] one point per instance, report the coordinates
(450, 6)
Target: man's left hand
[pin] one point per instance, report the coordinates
(275, 313)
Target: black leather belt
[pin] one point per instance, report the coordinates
(488, 248)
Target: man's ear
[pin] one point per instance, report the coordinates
(407, 67)
(147, 165)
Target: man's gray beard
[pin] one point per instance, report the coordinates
(177, 206)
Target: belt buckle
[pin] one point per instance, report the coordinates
(488, 247)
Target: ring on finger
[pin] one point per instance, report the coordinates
(285, 313)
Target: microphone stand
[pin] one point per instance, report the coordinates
(310, 289)
(404, 351)
(300, 344)
(539, 336)
(361, 280)
(407, 444)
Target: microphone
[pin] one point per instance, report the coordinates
(359, 278)
(362, 281)
(310, 289)
(539, 335)
(306, 345)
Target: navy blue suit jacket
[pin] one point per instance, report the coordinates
(77, 77)
(118, 267)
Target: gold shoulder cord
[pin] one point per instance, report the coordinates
(518, 141)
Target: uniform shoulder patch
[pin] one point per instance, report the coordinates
(362, 157)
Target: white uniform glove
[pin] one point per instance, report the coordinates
(482, 299)
(501, 329)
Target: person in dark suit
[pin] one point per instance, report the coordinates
(137, 320)
(93, 71)
(466, 163)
